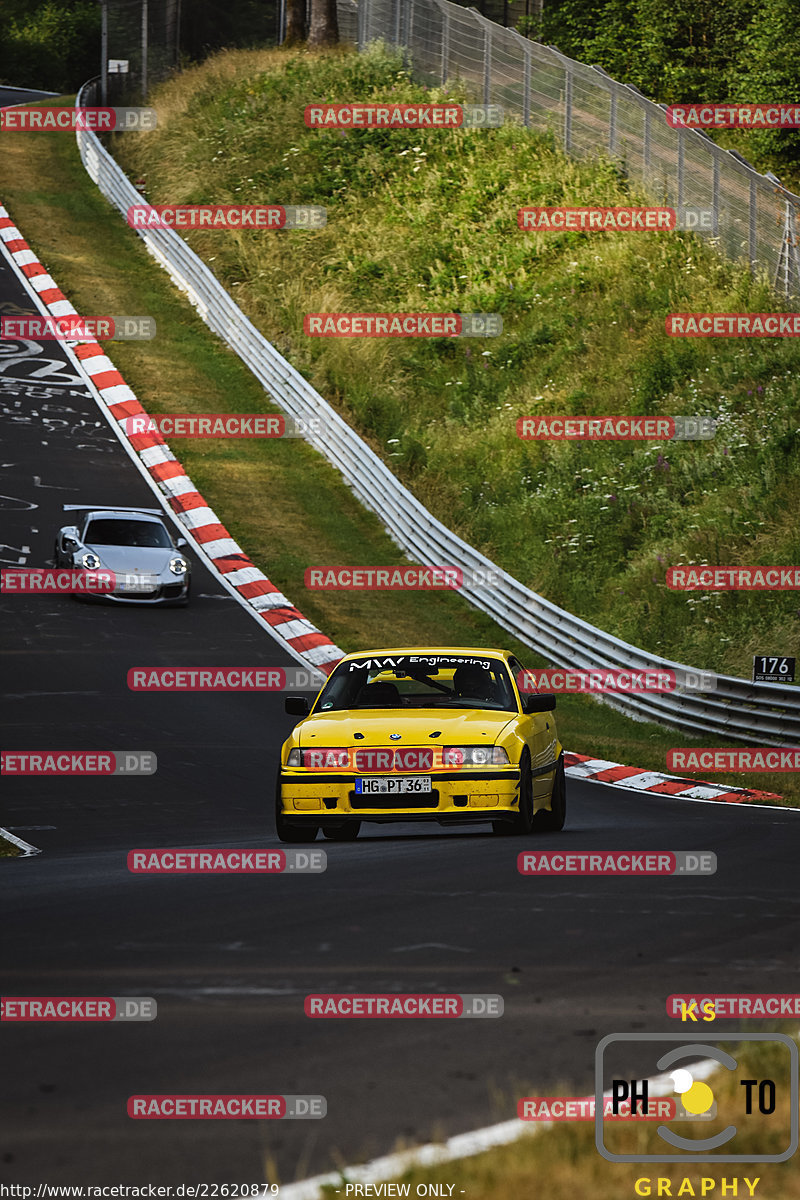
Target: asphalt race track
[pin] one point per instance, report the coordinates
(230, 958)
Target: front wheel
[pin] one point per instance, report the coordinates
(523, 821)
(552, 820)
(287, 832)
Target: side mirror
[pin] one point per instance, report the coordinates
(181, 542)
(538, 704)
(69, 543)
(297, 706)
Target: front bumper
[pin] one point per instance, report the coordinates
(166, 593)
(455, 797)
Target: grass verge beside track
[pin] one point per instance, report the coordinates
(284, 504)
(562, 1163)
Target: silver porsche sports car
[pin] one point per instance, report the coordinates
(136, 544)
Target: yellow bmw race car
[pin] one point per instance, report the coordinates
(421, 734)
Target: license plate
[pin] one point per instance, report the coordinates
(137, 583)
(393, 784)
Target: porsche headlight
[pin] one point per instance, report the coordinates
(90, 561)
(178, 566)
(474, 756)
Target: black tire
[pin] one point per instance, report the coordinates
(342, 833)
(287, 832)
(551, 820)
(522, 825)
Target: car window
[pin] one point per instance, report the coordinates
(419, 681)
(114, 531)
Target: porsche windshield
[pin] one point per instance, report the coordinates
(419, 681)
(115, 531)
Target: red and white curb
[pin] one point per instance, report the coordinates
(203, 528)
(27, 849)
(598, 770)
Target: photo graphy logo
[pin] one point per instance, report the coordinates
(685, 1062)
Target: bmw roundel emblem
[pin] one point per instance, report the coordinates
(395, 737)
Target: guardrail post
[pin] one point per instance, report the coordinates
(526, 88)
(361, 25)
(397, 12)
(612, 124)
(487, 62)
(445, 46)
(646, 139)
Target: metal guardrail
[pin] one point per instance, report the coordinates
(737, 708)
(753, 216)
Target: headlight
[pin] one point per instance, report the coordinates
(321, 758)
(474, 756)
(90, 561)
(178, 566)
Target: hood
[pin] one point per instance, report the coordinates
(150, 560)
(458, 727)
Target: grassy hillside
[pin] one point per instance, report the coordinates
(426, 220)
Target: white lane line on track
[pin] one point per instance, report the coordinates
(28, 850)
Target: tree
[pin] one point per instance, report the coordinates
(324, 23)
(295, 22)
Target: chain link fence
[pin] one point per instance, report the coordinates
(144, 41)
(752, 217)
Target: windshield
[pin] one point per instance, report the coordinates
(114, 531)
(419, 681)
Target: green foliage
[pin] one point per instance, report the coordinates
(425, 220)
(53, 45)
